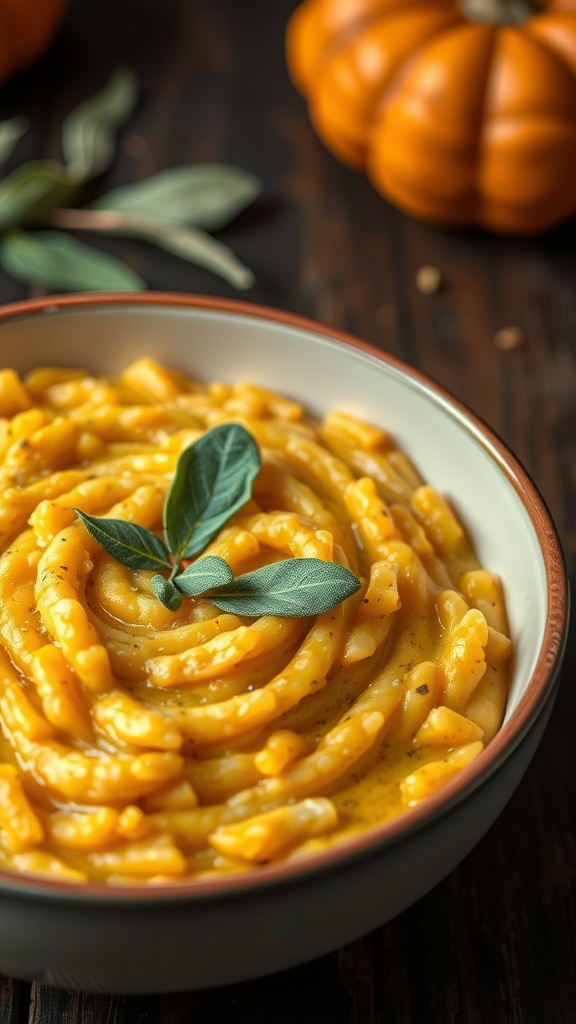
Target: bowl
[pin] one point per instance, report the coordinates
(188, 936)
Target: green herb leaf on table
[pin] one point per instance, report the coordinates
(168, 210)
(193, 245)
(88, 145)
(189, 243)
(32, 189)
(128, 543)
(295, 587)
(166, 592)
(213, 479)
(53, 259)
(206, 196)
(196, 247)
(203, 575)
(10, 132)
(88, 133)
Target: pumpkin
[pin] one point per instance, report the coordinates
(459, 111)
(26, 30)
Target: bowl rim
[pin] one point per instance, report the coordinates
(377, 839)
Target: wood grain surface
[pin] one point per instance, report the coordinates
(495, 942)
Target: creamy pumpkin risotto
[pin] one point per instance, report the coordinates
(144, 744)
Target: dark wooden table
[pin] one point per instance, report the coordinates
(495, 943)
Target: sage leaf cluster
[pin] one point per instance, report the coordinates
(174, 210)
(213, 479)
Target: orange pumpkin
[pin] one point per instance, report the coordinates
(460, 111)
(26, 30)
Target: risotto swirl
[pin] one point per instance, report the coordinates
(143, 744)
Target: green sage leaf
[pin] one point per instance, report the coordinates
(188, 243)
(52, 258)
(128, 543)
(88, 144)
(88, 133)
(10, 132)
(205, 196)
(31, 189)
(213, 479)
(166, 592)
(193, 245)
(295, 587)
(204, 574)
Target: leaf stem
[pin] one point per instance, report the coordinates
(84, 220)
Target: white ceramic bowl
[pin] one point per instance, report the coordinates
(194, 936)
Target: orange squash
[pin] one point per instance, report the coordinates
(26, 30)
(459, 111)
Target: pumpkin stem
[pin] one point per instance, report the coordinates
(500, 12)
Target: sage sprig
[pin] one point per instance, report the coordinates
(213, 479)
(174, 209)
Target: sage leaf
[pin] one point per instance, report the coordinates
(188, 243)
(193, 245)
(204, 574)
(53, 259)
(88, 133)
(128, 543)
(166, 592)
(88, 144)
(32, 188)
(206, 196)
(213, 479)
(295, 587)
(10, 132)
